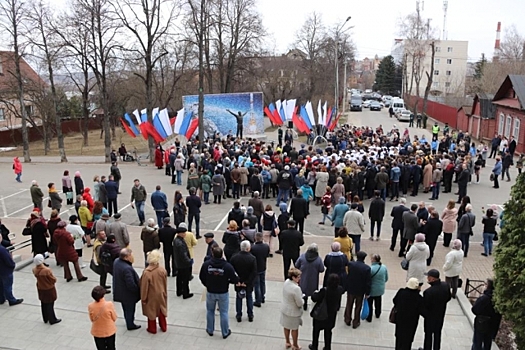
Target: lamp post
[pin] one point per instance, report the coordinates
(345, 89)
(336, 94)
(202, 26)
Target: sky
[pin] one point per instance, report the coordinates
(374, 24)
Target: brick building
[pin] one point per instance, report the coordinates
(509, 104)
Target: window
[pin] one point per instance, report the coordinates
(436, 60)
(449, 72)
(516, 132)
(507, 126)
(449, 49)
(29, 110)
(449, 60)
(2, 114)
(436, 72)
(438, 49)
(501, 123)
(435, 84)
(447, 84)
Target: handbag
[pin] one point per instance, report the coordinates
(482, 323)
(320, 310)
(49, 203)
(98, 269)
(404, 264)
(26, 231)
(365, 310)
(393, 315)
(491, 176)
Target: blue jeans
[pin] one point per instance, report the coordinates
(326, 216)
(259, 287)
(282, 196)
(129, 314)
(140, 210)
(18, 176)
(236, 190)
(206, 197)
(435, 190)
(383, 193)
(395, 190)
(357, 242)
(197, 217)
(160, 216)
(6, 289)
(372, 225)
(179, 177)
(481, 341)
(249, 304)
(211, 303)
(487, 242)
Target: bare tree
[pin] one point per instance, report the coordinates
(12, 16)
(430, 76)
(148, 21)
(43, 39)
(512, 46)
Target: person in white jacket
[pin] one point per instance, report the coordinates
(417, 257)
(454, 266)
(77, 232)
(355, 224)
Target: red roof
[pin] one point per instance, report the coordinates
(8, 79)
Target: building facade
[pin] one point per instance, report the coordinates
(509, 103)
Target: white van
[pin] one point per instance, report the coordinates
(398, 104)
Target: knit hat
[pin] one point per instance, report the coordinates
(62, 223)
(38, 259)
(283, 207)
(249, 210)
(413, 283)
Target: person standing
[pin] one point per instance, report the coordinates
(332, 294)
(311, 265)
(376, 212)
(47, 293)
(79, 183)
(97, 248)
(358, 284)
(67, 188)
(284, 184)
(292, 308)
(150, 239)
(487, 320)
(138, 200)
(37, 196)
(115, 172)
(435, 301)
(235, 176)
(154, 292)
(338, 214)
(183, 264)
(39, 233)
(432, 229)
(336, 263)
(417, 256)
(219, 185)
(178, 167)
(17, 168)
(54, 197)
(102, 315)
(193, 203)
(112, 195)
(7, 267)
(466, 222)
(245, 266)
(120, 231)
(355, 224)
(408, 304)
(291, 240)
(506, 164)
(410, 228)
(494, 146)
(258, 208)
(453, 266)
(159, 202)
(216, 274)
(379, 278)
(395, 176)
(205, 185)
(397, 222)
(449, 217)
(437, 176)
(381, 180)
(463, 178)
(260, 251)
(489, 222)
(496, 171)
(210, 244)
(78, 234)
(126, 286)
(299, 210)
(166, 236)
(66, 253)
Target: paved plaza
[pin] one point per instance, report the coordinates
(22, 328)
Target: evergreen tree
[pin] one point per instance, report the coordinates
(480, 67)
(386, 75)
(509, 263)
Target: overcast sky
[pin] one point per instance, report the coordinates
(375, 22)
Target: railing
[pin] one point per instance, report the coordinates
(474, 288)
(18, 246)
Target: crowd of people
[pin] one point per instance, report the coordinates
(357, 163)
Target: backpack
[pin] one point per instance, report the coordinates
(106, 258)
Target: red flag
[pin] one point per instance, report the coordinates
(144, 130)
(172, 121)
(329, 120)
(127, 128)
(334, 123)
(191, 129)
(277, 118)
(152, 132)
(299, 123)
(270, 116)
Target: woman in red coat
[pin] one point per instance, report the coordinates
(159, 162)
(65, 252)
(86, 195)
(17, 167)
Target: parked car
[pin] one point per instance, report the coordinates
(366, 104)
(356, 103)
(403, 115)
(375, 106)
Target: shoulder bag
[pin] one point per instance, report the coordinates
(404, 264)
(393, 315)
(320, 310)
(96, 268)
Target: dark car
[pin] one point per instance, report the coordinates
(356, 103)
(375, 106)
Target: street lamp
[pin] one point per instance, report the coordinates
(338, 29)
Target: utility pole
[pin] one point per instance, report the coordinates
(201, 74)
(345, 89)
(336, 94)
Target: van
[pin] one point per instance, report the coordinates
(398, 104)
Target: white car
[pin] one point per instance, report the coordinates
(366, 104)
(403, 115)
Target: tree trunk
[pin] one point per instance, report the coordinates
(429, 77)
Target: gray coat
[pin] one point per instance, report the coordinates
(411, 225)
(467, 221)
(218, 183)
(311, 265)
(119, 229)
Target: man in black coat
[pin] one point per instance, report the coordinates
(183, 262)
(397, 221)
(299, 210)
(245, 266)
(194, 203)
(291, 242)
(112, 194)
(487, 321)
(415, 172)
(432, 230)
(358, 284)
(462, 182)
(376, 212)
(126, 286)
(166, 236)
(208, 239)
(506, 163)
(261, 251)
(435, 301)
(512, 146)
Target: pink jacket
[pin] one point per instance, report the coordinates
(17, 165)
(449, 220)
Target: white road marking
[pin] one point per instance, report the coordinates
(14, 194)
(126, 206)
(29, 206)
(4, 209)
